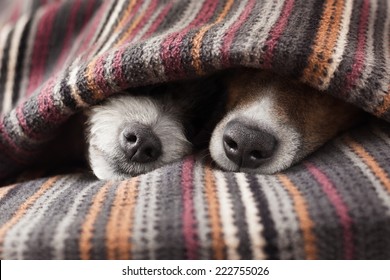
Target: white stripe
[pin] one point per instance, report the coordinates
(283, 214)
(17, 130)
(152, 215)
(4, 34)
(72, 83)
(109, 43)
(15, 241)
(219, 34)
(28, 54)
(369, 52)
(104, 29)
(256, 38)
(386, 49)
(140, 217)
(340, 44)
(13, 58)
(230, 230)
(61, 234)
(151, 55)
(146, 27)
(252, 215)
(358, 162)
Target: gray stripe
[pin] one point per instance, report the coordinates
(289, 240)
(17, 240)
(169, 225)
(70, 209)
(201, 213)
(321, 212)
(362, 202)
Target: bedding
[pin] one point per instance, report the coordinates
(59, 57)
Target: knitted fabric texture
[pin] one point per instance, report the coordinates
(61, 57)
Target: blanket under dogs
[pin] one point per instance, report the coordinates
(60, 57)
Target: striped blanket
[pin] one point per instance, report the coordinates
(59, 57)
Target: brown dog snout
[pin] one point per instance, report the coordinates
(247, 146)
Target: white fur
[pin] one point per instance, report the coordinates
(106, 121)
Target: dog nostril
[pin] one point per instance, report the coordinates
(231, 143)
(256, 155)
(149, 152)
(131, 138)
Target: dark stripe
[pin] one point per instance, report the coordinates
(244, 247)
(4, 65)
(72, 248)
(170, 238)
(339, 80)
(21, 192)
(303, 23)
(21, 59)
(98, 251)
(322, 213)
(364, 201)
(106, 19)
(270, 234)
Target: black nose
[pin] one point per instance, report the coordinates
(247, 146)
(139, 143)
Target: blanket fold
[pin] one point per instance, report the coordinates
(59, 57)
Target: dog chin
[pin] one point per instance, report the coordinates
(288, 150)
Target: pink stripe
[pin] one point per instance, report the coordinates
(99, 81)
(23, 124)
(145, 18)
(171, 47)
(15, 15)
(339, 205)
(120, 79)
(230, 36)
(158, 20)
(277, 32)
(357, 67)
(46, 107)
(130, 17)
(41, 48)
(189, 222)
(17, 152)
(92, 28)
(69, 32)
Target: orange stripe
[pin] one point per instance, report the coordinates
(87, 228)
(97, 93)
(369, 161)
(325, 42)
(197, 41)
(119, 226)
(131, 28)
(23, 209)
(125, 16)
(382, 109)
(5, 190)
(218, 243)
(306, 223)
(126, 227)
